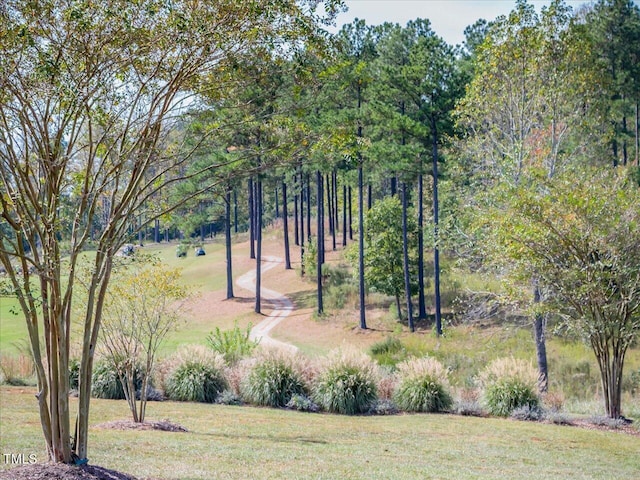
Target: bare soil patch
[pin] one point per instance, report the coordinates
(163, 425)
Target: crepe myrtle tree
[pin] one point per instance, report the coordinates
(579, 236)
(89, 95)
(142, 306)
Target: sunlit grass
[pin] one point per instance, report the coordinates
(244, 442)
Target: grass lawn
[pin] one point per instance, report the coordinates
(256, 443)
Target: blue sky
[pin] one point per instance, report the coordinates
(448, 17)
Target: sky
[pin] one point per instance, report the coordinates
(448, 18)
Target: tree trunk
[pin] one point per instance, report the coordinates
(235, 211)
(436, 233)
(369, 196)
(308, 208)
(156, 231)
(363, 319)
(539, 327)
(296, 232)
(350, 216)
(258, 223)
(277, 210)
(405, 251)
(285, 220)
(227, 239)
(334, 216)
(398, 307)
(252, 223)
(320, 242)
(301, 227)
(344, 215)
(637, 136)
(422, 304)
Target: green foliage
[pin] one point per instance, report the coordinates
(423, 386)
(347, 385)
(195, 381)
(74, 373)
(388, 351)
(509, 384)
(383, 257)
(105, 382)
(233, 344)
(273, 380)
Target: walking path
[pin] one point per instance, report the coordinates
(282, 306)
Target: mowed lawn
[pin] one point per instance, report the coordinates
(257, 443)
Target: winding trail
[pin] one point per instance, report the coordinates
(282, 306)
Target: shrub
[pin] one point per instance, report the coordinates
(348, 383)
(389, 345)
(528, 413)
(105, 382)
(423, 386)
(302, 403)
(233, 344)
(16, 370)
(383, 407)
(273, 380)
(197, 376)
(509, 384)
(468, 403)
(74, 373)
(229, 397)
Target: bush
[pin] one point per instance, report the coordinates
(389, 351)
(302, 403)
(229, 397)
(233, 344)
(16, 370)
(273, 380)
(383, 407)
(74, 373)
(196, 376)
(105, 382)
(348, 383)
(528, 413)
(509, 384)
(423, 386)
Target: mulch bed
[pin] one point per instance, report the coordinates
(164, 425)
(61, 471)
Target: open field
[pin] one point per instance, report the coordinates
(256, 443)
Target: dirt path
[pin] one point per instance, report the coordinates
(282, 306)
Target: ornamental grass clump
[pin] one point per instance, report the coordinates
(508, 384)
(423, 386)
(347, 383)
(196, 375)
(274, 379)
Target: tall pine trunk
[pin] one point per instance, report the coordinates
(405, 251)
(227, 233)
(258, 226)
(296, 232)
(344, 215)
(363, 318)
(285, 220)
(320, 242)
(422, 306)
(252, 223)
(539, 324)
(436, 232)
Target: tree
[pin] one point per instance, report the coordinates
(526, 110)
(383, 258)
(91, 93)
(579, 236)
(142, 306)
